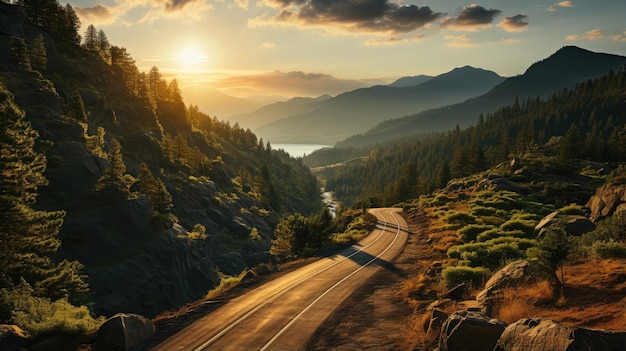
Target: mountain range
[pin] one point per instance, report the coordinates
(357, 111)
(564, 68)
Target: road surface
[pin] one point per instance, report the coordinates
(283, 313)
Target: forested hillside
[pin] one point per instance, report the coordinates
(114, 193)
(585, 122)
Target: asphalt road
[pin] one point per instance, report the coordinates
(283, 313)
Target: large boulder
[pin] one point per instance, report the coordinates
(514, 274)
(574, 224)
(606, 200)
(125, 332)
(12, 338)
(470, 330)
(539, 334)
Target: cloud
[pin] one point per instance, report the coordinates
(517, 23)
(295, 83)
(619, 37)
(558, 5)
(267, 45)
(590, 35)
(351, 16)
(187, 10)
(386, 41)
(459, 40)
(472, 18)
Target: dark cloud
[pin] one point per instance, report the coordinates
(356, 15)
(516, 23)
(471, 17)
(96, 13)
(176, 5)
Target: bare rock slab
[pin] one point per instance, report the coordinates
(470, 330)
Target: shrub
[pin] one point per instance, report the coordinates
(454, 217)
(608, 249)
(488, 235)
(471, 231)
(526, 226)
(572, 209)
(480, 211)
(492, 220)
(453, 276)
(41, 316)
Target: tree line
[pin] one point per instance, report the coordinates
(585, 122)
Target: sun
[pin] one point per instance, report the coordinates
(192, 57)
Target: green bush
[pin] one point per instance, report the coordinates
(608, 249)
(526, 226)
(489, 235)
(471, 231)
(454, 217)
(453, 276)
(572, 209)
(40, 316)
(480, 211)
(492, 220)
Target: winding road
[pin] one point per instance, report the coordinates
(283, 313)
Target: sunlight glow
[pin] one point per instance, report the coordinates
(192, 57)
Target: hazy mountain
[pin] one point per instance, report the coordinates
(564, 68)
(357, 111)
(216, 103)
(410, 81)
(278, 110)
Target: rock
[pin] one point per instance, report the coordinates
(125, 332)
(606, 200)
(538, 334)
(231, 263)
(12, 338)
(469, 330)
(514, 274)
(456, 293)
(578, 225)
(574, 225)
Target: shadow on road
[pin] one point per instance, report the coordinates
(363, 258)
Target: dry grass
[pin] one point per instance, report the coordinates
(517, 303)
(594, 297)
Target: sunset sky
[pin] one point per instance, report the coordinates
(311, 47)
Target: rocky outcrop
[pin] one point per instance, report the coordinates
(574, 224)
(514, 274)
(125, 332)
(608, 199)
(469, 330)
(539, 334)
(12, 338)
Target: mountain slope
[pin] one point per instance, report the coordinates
(358, 110)
(562, 69)
(277, 110)
(158, 198)
(220, 104)
(410, 81)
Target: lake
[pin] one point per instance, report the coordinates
(299, 150)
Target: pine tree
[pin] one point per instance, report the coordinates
(154, 189)
(113, 176)
(28, 237)
(38, 55)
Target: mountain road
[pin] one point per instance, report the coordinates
(284, 313)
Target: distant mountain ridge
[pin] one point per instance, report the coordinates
(358, 110)
(278, 110)
(564, 68)
(410, 81)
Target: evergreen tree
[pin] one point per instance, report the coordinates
(20, 51)
(77, 107)
(113, 176)
(38, 55)
(90, 39)
(570, 148)
(28, 237)
(154, 189)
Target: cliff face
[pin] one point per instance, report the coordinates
(138, 259)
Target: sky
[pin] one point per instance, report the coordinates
(289, 48)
